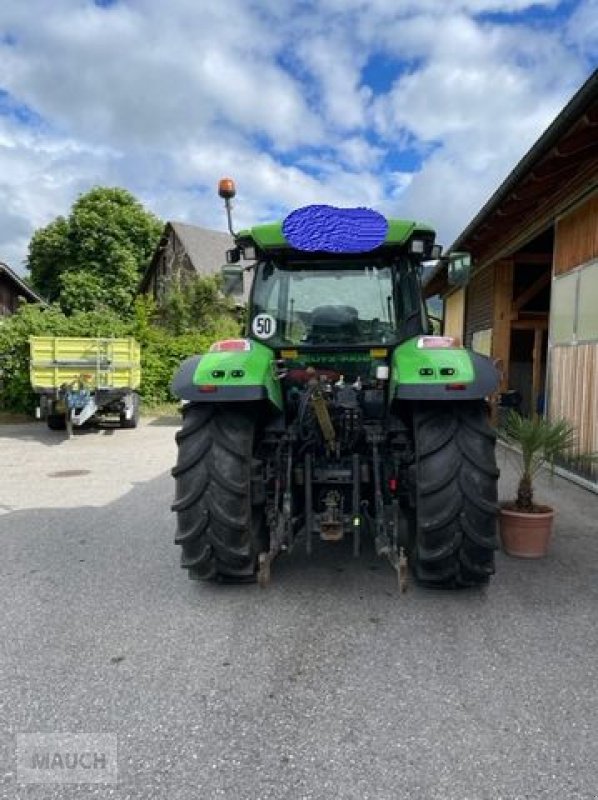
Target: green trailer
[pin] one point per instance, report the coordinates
(80, 379)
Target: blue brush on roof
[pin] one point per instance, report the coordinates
(327, 229)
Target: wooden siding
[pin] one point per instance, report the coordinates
(454, 313)
(576, 239)
(479, 306)
(9, 296)
(574, 391)
(501, 319)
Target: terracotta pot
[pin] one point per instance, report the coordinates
(526, 535)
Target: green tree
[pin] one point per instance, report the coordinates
(82, 291)
(193, 304)
(95, 257)
(48, 255)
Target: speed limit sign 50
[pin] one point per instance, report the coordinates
(263, 326)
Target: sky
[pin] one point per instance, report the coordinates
(417, 108)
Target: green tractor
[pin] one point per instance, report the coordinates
(340, 413)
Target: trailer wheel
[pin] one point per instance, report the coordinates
(456, 494)
(56, 422)
(220, 517)
(134, 421)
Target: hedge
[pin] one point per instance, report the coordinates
(161, 351)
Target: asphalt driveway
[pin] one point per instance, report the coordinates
(329, 684)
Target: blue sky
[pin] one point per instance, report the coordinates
(418, 108)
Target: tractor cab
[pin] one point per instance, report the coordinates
(336, 301)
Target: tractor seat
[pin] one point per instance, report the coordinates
(334, 323)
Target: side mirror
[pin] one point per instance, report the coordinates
(232, 281)
(459, 269)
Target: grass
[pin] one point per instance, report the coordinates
(160, 409)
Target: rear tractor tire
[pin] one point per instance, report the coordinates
(456, 494)
(220, 519)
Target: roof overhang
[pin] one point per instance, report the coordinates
(30, 294)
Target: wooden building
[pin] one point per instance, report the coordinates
(532, 302)
(13, 290)
(184, 250)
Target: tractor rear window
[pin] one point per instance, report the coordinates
(315, 304)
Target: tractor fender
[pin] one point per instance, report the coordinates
(473, 376)
(230, 377)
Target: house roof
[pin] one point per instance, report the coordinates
(20, 284)
(205, 247)
(558, 169)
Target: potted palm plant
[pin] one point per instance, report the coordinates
(525, 526)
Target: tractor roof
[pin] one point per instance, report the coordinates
(270, 236)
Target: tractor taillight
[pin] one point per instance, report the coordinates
(436, 342)
(231, 346)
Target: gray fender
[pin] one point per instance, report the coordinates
(182, 383)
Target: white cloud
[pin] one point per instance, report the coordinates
(40, 175)
(357, 153)
(166, 101)
(483, 93)
(582, 30)
(135, 75)
(266, 187)
(394, 8)
(336, 63)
